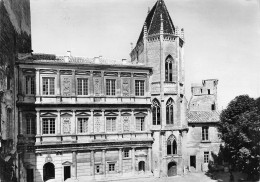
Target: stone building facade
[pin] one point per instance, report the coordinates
(96, 119)
(15, 38)
(203, 141)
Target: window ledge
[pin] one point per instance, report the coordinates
(205, 141)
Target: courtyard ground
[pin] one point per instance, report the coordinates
(192, 177)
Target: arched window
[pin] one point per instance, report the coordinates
(156, 112)
(170, 69)
(169, 111)
(171, 145)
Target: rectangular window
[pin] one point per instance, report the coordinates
(48, 86)
(30, 177)
(111, 124)
(111, 167)
(30, 126)
(82, 86)
(82, 125)
(206, 157)
(48, 126)
(126, 153)
(140, 125)
(30, 85)
(139, 87)
(110, 87)
(97, 168)
(205, 133)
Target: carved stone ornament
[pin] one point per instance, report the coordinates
(66, 85)
(48, 158)
(66, 125)
(126, 87)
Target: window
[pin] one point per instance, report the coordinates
(97, 168)
(111, 124)
(111, 167)
(208, 91)
(213, 107)
(30, 126)
(30, 85)
(29, 173)
(110, 87)
(48, 126)
(139, 87)
(169, 111)
(140, 124)
(48, 86)
(82, 86)
(126, 153)
(170, 70)
(205, 133)
(206, 157)
(171, 145)
(156, 112)
(82, 125)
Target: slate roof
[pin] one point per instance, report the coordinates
(153, 20)
(203, 116)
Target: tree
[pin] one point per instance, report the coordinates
(239, 128)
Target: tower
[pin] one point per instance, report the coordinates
(160, 45)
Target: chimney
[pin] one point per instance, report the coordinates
(69, 53)
(124, 61)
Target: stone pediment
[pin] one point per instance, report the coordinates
(67, 163)
(126, 114)
(66, 114)
(48, 71)
(140, 114)
(111, 114)
(48, 114)
(83, 114)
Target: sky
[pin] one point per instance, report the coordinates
(222, 37)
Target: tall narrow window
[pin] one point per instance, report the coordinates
(82, 125)
(140, 125)
(171, 145)
(48, 126)
(156, 112)
(110, 87)
(29, 85)
(82, 86)
(139, 87)
(171, 71)
(30, 125)
(169, 111)
(206, 157)
(48, 86)
(205, 133)
(111, 124)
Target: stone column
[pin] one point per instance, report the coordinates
(58, 84)
(21, 123)
(133, 159)
(104, 120)
(92, 158)
(38, 122)
(104, 161)
(74, 165)
(149, 159)
(73, 90)
(58, 123)
(92, 124)
(73, 122)
(120, 160)
(38, 82)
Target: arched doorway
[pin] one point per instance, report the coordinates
(48, 171)
(172, 169)
(141, 166)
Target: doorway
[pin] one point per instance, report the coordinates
(48, 171)
(66, 172)
(141, 166)
(193, 161)
(172, 169)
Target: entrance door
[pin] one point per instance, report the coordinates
(172, 169)
(141, 166)
(66, 172)
(48, 171)
(193, 161)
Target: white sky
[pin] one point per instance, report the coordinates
(222, 36)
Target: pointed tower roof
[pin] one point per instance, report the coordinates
(153, 20)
